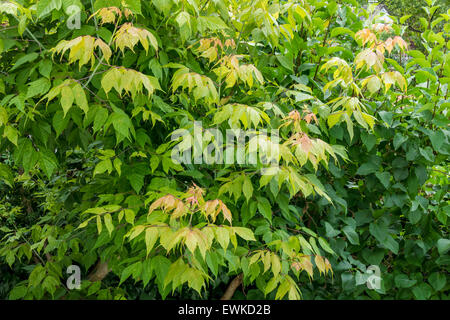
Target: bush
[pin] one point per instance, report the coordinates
(344, 191)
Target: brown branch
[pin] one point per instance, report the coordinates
(36, 259)
(47, 255)
(234, 284)
(410, 27)
(100, 271)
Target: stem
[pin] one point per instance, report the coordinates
(439, 84)
(95, 18)
(323, 45)
(41, 46)
(204, 5)
(239, 37)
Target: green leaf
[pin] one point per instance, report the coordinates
(286, 61)
(46, 6)
(380, 233)
(48, 162)
(247, 188)
(67, 99)
(38, 87)
(402, 281)
(25, 59)
(438, 280)
(443, 245)
(427, 153)
(437, 139)
(271, 285)
(404, 18)
(222, 236)
(135, 269)
(154, 162)
(325, 246)
(6, 174)
(384, 178)
(80, 97)
(108, 223)
(369, 140)
(422, 291)
(136, 181)
(133, 5)
(276, 264)
(45, 67)
(36, 276)
(399, 139)
(18, 292)
(330, 231)
(349, 123)
(3, 116)
(183, 20)
(367, 168)
(99, 224)
(147, 271)
(391, 244)
(151, 235)
(103, 166)
(334, 118)
(118, 165)
(351, 235)
(60, 122)
(386, 117)
(306, 247)
(341, 30)
(12, 134)
(245, 233)
(50, 284)
(100, 119)
(265, 208)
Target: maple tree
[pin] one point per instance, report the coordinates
(90, 118)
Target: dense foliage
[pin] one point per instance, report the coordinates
(93, 92)
(414, 15)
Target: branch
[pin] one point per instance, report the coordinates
(101, 270)
(413, 29)
(234, 284)
(323, 45)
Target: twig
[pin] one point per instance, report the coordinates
(323, 45)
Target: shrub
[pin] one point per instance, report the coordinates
(98, 100)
